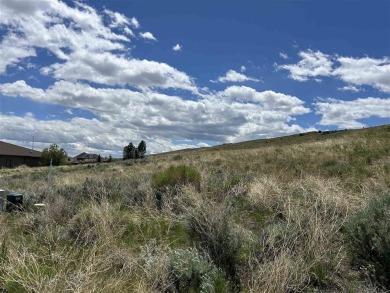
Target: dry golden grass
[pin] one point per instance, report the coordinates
(278, 208)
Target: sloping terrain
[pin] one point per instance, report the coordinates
(301, 213)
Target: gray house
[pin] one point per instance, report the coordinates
(86, 157)
(13, 155)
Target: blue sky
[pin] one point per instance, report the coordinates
(94, 75)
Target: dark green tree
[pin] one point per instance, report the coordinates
(99, 159)
(129, 152)
(125, 152)
(55, 153)
(132, 152)
(141, 149)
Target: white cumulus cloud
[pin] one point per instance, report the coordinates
(134, 22)
(235, 114)
(86, 49)
(148, 36)
(346, 114)
(128, 31)
(350, 88)
(283, 55)
(53, 26)
(109, 69)
(177, 48)
(312, 64)
(117, 19)
(365, 71)
(234, 76)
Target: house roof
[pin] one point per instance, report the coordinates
(86, 156)
(8, 149)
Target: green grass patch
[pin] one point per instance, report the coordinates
(249, 215)
(139, 230)
(335, 168)
(175, 176)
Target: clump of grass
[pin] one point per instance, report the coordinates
(167, 182)
(140, 228)
(101, 188)
(334, 168)
(68, 269)
(175, 176)
(134, 197)
(82, 228)
(368, 235)
(219, 181)
(296, 247)
(95, 223)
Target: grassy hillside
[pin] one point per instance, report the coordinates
(305, 213)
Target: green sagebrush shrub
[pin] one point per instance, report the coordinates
(191, 271)
(183, 270)
(368, 235)
(175, 176)
(213, 230)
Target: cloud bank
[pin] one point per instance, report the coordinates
(363, 71)
(346, 114)
(231, 115)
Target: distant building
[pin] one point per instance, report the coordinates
(12, 156)
(85, 157)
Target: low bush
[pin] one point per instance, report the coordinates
(368, 235)
(175, 176)
(182, 270)
(213, 231)
(191, 271)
